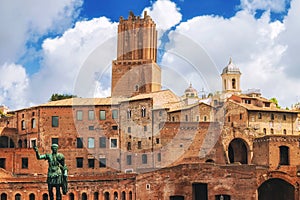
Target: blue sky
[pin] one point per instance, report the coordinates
(47, 46)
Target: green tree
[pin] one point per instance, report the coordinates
(56, 97)
(274, 100)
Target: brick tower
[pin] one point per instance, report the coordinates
(135, 71)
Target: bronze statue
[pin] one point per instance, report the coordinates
(57, 171)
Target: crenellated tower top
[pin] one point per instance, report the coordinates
(137, 38)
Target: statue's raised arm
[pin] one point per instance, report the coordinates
(38, 156)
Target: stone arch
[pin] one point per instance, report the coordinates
(3, 196)
(123, 195)
(32, 196)
(96, 195)
(18, 196)
(71, 196)
(238, 151)
(116, 195)
(84, 196)
(106, 196)
(6, 142)
(276, 189)
(45, 196)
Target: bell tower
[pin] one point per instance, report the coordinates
(231, 78)
(135, 70)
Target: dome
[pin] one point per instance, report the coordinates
(231, 68)
(191, 92)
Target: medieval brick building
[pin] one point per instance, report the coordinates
(144, 143)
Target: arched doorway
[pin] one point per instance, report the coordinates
(238, 151)
(276, 189)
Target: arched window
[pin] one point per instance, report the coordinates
(265, 131)
(143, 111)
(84, 196)
(284, 155)
(130, 195)
(31, 196)
(272, 116)
(272, 131)
(106, 196)
(71, 196)
(3, 196)
(45, 196)
(123, 195)
(96, 195)
(225, 86)
(284, 131)
(17, 197)
(233, 83)
(116, 196)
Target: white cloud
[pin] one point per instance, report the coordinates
(13, 85)
(272, 5)
(75, 57)
(24, 21)
(165, 13)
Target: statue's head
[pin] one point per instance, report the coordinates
(54, 147)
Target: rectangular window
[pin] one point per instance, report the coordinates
(158, 157)
(91, 115)
(23, 125)
(91, 163)
(33, 124)
(113, 143)
(2, 163)
(114, 128)
(24, 163)
(102, 162)
(241, 116)
(143, 112)
(144, 159)
(79, 162)
(79, 115)
(54, 140)
(91, 128)
(284, 117)
(259, 115)
(115, 114)
(79, 142)
(129, 160)
(157, 140)
(186, 118)
(102, 142)
(54, 121)
(129, 129)
(128, 145)
(32, 142)
(102, 115)
(198, 118)
(139, 144)
(91, 142)
(145, 128)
